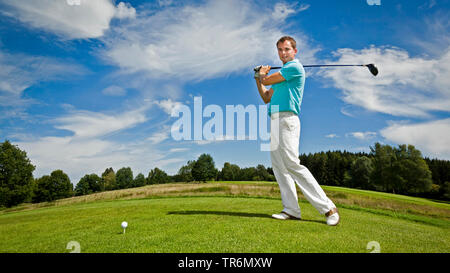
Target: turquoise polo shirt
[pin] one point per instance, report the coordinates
(288, 94)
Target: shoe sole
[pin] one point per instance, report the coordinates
(290, 217)
(336, 222)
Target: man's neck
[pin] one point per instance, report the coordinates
(288, 61)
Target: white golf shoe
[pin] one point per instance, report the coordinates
(332, 217)
(284, 216)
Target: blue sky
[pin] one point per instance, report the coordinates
(87, 85)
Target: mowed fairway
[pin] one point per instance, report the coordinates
(215, 224)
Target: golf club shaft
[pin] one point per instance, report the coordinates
(321, 65)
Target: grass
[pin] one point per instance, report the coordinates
(224, 217)
(390, 196)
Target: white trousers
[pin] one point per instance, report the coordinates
(284, 144)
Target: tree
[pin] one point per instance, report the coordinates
(139, 180)
(332, 166)
(157, 176)
(446, 190)
(400, 170)
(185, 172)
(440, 174)
(41, 189)
(383, 176)
(204, 168)
(271, 174)
(230, 172)
(413, 170)
(124, 178)
(319, 167)
(62, 185)
(440, 170)
(90, 183)
(16, 175)
(262, 173)
(249, 174)
(53, 187)
(109, 179)
(359, 173)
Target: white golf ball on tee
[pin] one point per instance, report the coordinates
(124, 226)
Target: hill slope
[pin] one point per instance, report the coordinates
(224, 217)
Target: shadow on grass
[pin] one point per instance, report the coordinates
(228, 213)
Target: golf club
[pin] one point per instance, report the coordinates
(372, 68)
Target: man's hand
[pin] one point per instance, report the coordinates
(261, 71)
(264, 70)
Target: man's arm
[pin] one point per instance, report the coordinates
(272, 79)
(265, 79)
(265, 94)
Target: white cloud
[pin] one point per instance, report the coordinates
(362, 135)
(19, 71)
(90, 149)
(282, 11)
(331, 136)
(405, 86)
(125, 10)
(177, 150)
(303, 7)
(198, 42)
(220, 139)
(89, 19)
(427, 5)
(79, 157)
(114, 90)
(163, 3)
(434, 33)
(160, 136)
(168, 105)
(431, 137)
(87, 124)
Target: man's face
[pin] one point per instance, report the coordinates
(286, 52)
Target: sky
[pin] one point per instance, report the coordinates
(90, 84)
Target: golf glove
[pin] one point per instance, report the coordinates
(256, 69)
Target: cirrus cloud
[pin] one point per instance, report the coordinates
(362, 135)
(431, 137)
(92, 148)
(88, 19)
(198, 42)
(406, 86)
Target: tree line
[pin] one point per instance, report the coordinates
(400, 170)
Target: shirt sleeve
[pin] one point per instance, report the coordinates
(291, 71)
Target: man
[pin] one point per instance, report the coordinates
(285, 98)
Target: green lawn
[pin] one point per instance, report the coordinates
(215, 224)
(390, 196)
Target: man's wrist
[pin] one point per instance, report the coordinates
(259, 76)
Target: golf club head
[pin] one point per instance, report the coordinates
(373, 69)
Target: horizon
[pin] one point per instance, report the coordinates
(219, 168)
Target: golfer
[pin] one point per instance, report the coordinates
(285, 98)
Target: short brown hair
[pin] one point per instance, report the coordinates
(288, 38)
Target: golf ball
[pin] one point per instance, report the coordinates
(124, 224)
